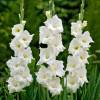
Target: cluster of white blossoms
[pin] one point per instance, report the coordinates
(76, 62)
(20, 76)
(50, 34)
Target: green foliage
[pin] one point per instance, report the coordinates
(35, 16)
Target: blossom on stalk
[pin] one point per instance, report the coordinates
(17, 29)
(54, 86)
(43, 75)
(76, 62)
(49, 76)
(56, 67)
(54, 24)
(18, 65)
(75, 46)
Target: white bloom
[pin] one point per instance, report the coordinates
(15, 84)
(72, 82)
(76, 28)
(54, 86)
(82, 75)
(17, 29)
(19, 71)
(26, 54)
(56, 67)
(16, 63)
(50, 34)
(25, 38)
(54, 24)
(43, 75)
(74, 46)
(46, 55)
(23, 72)
(83, 55)
(17, 46)
(76, 64)
(73, 62)
(18, 66)
(45, 34)
(56, 43)
(85, 39)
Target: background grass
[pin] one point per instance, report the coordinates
(68, 11)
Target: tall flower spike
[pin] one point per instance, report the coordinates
(50, 34)
(78, 48)
(20, 76)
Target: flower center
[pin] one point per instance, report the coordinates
(17, 30)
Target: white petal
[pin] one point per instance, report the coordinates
(43, 75)
(54, 24)
(56, 68)
(17, 29)
(73, 62)
(46, 55)
(75, 46)
(54, 86)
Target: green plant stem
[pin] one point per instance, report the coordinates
(52, 7)
(21, 11)
(17, 96)
(81, 14)
(72, 96)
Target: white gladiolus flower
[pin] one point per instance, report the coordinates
(72, 82)
(43, 75)
(76, 64)
(83, 55)
(45, 34)
(22, 72)
(82, 75)
(54, 86)
(54, 24)
(74, 46)
(17, 29)
(48, 37)
(50, 34)
(73, 62)
(85, 39)
(76, 28)
(26, 54)
(16, 63)
(56, 43)
(16, 84)
(16, 45)
(19, 71)
(56, 68)
(46, 55)
(25, 38)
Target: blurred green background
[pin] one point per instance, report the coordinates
(68, 11)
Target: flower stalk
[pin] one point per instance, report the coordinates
(81, 14)
(21, 15)
(20, 76)
(78, 50)
(52, 7)
(50, 34)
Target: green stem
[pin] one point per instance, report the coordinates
(52, 7)
(81, 14)
(21, 17)
(17, 96)
(97, 51)
(72, 96)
